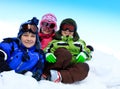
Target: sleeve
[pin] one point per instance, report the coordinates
(6, 49)
(86, 50)
(42, 59)
(3, 55)
(39, 66)
(51, 47)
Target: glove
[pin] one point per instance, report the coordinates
(81, 57)
(50, 57)
(90, 47)
(3, 64)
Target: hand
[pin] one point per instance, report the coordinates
(81, 57)
(3, 64)
(90, 47)
(50, 57)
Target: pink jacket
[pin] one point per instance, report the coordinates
(45, 39)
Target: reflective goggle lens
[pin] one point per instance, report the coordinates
(49, 25)
(29, 27)
(69, 27)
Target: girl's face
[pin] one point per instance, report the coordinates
(67, 30)
(28, 39)
(67, 33)
(46, 30)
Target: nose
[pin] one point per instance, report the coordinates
(67, 30)
(28, 39)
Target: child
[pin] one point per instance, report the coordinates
(48, 26)
(66, 55)
(23, 53)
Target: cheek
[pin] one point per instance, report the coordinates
(62, 32)
(71, 33)
(23, 39)
(34, 40)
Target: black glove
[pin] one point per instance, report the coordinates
(2, 58)
(90, 47)
(3, 64)
(37, 75)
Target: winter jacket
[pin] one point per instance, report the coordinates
(20, 58)
(45, 39)
(75, 47)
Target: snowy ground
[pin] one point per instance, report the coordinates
(104, 74)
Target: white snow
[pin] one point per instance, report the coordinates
(104, 74)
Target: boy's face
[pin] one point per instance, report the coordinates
(28, 39)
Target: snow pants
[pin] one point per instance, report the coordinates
(70, 73)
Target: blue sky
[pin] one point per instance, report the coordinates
(98, 20)
(28, 8)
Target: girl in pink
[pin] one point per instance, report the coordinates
(48, 26)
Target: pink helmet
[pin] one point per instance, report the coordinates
(49, 18)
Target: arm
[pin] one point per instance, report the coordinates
(50, 57)
(3, 64)
(39, 67)
(7, 46)
(5, 52)
(85, 53)
(3, 55)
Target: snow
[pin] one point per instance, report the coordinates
(104, 74)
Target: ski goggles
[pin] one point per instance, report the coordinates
(49, 25)
(29, 27)
(69, 27)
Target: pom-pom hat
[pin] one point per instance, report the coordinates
(49, 18)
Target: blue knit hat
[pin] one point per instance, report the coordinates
(34, 21)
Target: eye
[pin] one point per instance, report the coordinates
(33, 36)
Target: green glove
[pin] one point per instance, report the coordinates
(50, 57)
(81, 57)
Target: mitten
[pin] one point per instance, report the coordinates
(50, 57)
(3, 64)
(81, 57)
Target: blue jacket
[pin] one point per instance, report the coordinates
(20, 58)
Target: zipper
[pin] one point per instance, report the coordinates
(19, 66)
